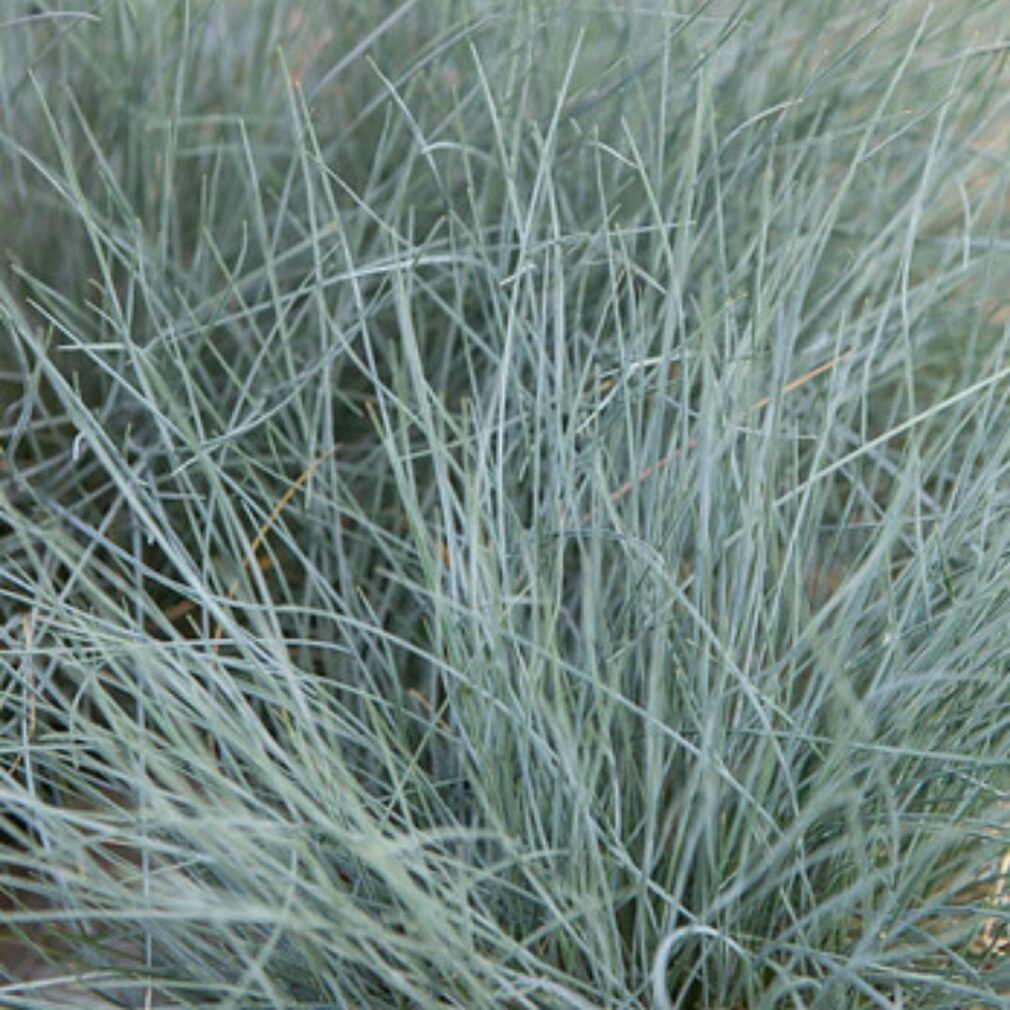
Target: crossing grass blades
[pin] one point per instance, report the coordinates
(504, 505)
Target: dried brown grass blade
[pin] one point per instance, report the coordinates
(664, 461)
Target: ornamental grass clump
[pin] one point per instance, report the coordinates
(504, 505)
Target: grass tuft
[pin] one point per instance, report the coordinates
(501, 505)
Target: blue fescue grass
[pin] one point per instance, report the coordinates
(502, 504)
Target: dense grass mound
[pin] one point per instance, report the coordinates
(504, 504)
